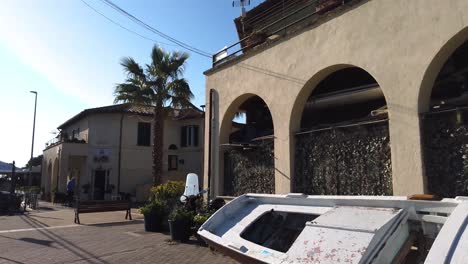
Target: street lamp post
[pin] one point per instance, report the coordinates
(32, 144)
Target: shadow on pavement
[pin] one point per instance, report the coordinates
(45, 208)
(131, 222)
(48, 217)
(47, 243)
(11, 260)
(69, 246)
(41, 242)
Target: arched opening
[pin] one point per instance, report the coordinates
(343, 146)
(55, 175)
(49, 176)
(247, 148)
(445, 127)
(172, 147)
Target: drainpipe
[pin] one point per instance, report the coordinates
(209, 143)
(120, 153)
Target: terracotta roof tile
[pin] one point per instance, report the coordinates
(177, 114)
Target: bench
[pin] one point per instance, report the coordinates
(83, 207)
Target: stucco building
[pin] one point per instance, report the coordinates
(348, 97)
(109, 150)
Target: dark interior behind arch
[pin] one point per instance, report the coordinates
(343, 146)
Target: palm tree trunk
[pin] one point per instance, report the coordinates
(158, 134)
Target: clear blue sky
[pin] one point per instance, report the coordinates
(70, 55)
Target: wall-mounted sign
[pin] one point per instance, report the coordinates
(102, 155)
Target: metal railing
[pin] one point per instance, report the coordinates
(80, 138)
(31, 200)
(319, 6)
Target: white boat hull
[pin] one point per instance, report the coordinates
(349, 229)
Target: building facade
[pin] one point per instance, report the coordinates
(362, 90)
(109, 150)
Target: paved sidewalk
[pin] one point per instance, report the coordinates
(50, 236)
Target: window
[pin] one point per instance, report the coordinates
(172, 162)
(189, 136)
(144, 134)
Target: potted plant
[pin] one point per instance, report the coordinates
(198, 221)
(180, 223)
(169, 193)
(153, 213)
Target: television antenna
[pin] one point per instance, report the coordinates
(242, 4)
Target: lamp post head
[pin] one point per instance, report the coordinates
(34, 92)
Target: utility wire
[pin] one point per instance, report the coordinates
(155, 31)
(125, 28)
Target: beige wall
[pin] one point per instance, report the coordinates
(103, 132)
(402, 44)
(82, 126)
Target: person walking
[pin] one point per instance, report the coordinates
(71, 184)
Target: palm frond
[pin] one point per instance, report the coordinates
(132, 68)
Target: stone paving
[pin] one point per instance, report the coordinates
(50, 236)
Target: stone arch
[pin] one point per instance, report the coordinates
(435, 66)
(309, 87)
(230, 112)
(48, 175)
(240, 142)
(443, 107)
(343, 144)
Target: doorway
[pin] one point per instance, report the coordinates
(99, 184)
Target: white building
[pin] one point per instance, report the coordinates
(109, 150)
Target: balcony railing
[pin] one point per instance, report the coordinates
(310, 11)
(81, 139)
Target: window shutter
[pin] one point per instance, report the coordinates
(190, 135)
(183, 136)
(144, 134)
(140, 134)
(195, 136)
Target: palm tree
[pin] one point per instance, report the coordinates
(158, 84)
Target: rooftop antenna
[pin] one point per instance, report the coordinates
(241, 3)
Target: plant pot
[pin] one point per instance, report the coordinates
(153, 223)
(180, 230)
(198, 237)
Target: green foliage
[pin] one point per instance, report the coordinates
(344, 161)
(180, 213)
(159, 84)
(250, 170)
(170, 191)
(29, 189)
(446, 153)
(154, 207)
(36, 161)
(198, 220)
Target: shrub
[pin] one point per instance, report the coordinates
(180, 213)
(154, 207)
(198, 220)
(169, 192)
